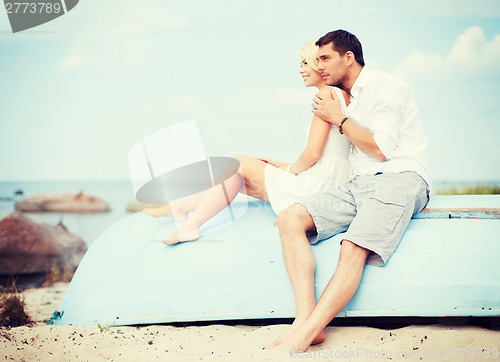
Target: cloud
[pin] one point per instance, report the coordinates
(454, 8)
(122, 34)
(74, 58)
(86, 55)
(135, 18)
(428, 8)
(472, 51)
(472, 57)
(185, 102)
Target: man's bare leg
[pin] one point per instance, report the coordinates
(300, 264)
(337, 294)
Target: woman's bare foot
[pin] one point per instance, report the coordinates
(186, 232)
(158, 211)
(173, 211)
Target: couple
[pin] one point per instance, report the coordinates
(377, 115)
(323, 164)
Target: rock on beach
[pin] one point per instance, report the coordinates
(27, 247)
(62, 202)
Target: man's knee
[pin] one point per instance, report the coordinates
(294, 218)
(350, 251)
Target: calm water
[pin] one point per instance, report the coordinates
(116, 193)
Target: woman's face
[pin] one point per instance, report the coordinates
(311, 77)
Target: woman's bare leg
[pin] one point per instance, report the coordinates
(251, 192)
(254, 176)
(177, 210)
(215, 200)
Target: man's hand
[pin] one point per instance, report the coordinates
(327, 108)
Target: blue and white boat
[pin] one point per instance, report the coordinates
(445, 265)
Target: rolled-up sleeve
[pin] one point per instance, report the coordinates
(386, 116)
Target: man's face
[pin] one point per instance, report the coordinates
(331, 65)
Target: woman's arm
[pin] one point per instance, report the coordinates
(273, 162)
(318, 134)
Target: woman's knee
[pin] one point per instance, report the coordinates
(244, 161)
(243, 158)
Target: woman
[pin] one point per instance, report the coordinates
(323, 163)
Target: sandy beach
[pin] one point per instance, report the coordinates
(41, 342)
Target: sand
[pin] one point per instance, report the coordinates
(41, 342)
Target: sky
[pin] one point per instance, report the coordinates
(76, 93)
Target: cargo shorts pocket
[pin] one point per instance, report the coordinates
(389, 207)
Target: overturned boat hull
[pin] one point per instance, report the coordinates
(444, 266)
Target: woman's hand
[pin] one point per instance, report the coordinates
(281, 165)
(272, 162)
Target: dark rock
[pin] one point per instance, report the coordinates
(62, 202)
(28, 247)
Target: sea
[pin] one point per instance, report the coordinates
(118, 194)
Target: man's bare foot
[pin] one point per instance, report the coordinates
(298, 342)
(186, 232)
(173, 211)
(318, 339)
(295, 325)
(293, 328)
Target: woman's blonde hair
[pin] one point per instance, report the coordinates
(308, 52)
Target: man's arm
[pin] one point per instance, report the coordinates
(329, 110)
(362, 139)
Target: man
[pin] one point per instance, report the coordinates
(389, 185)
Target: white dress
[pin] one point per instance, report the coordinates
(331, 170)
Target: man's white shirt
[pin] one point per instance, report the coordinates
(384, 105)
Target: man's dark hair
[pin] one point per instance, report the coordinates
(343, 41)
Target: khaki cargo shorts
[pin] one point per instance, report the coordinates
(372, 210)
